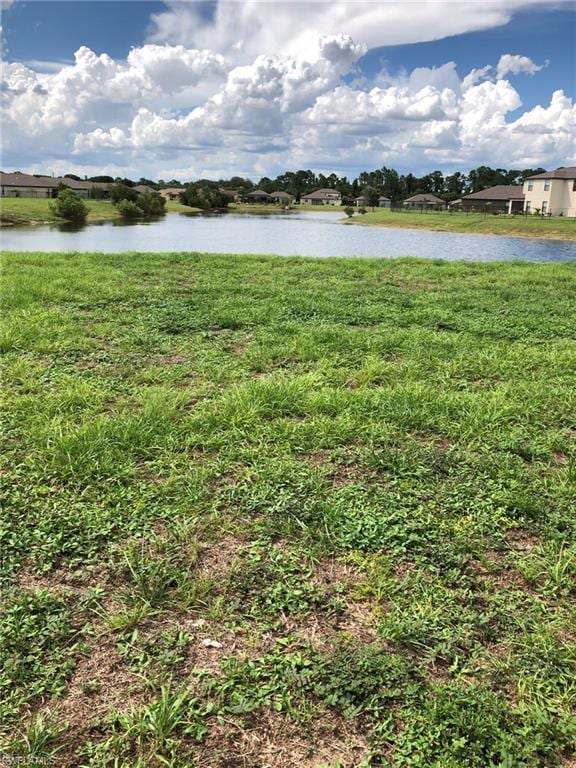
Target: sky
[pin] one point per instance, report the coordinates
(192, 89)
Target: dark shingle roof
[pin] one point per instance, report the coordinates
(559, 173)
(499, 192)
(258, 193)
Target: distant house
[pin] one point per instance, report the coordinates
(423, 200)
(281, 197)
(322, 197)
(172, 193)
(258, 196)
(27, 185)
(503, 198)
(143, 189)
(360, 202)
(552, 192)
(384, 202)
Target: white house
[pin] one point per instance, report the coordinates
(552, 192)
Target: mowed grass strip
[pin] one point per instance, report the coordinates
(263, 511)
(554, 227)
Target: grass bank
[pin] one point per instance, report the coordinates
(555, 227)
(266, 208)
(21, 211)
(264, 511)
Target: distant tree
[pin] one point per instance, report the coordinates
(370, 195)
(103, 179)
(127, 182)
(531, 172)
(72, 176)
(455, 185)
(205, 195)
(69, 205)
(120, 191)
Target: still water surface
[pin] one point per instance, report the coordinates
(295, 233)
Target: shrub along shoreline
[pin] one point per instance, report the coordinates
(318, 512)
(21, 211)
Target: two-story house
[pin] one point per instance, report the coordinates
(553, 192)
(322, 197)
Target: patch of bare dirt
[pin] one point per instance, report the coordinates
(330, 571)
(62, 579)
(240, 346)
(216, 559)
(100, 683)
(521, 541)
(168, 359)
(498, 572)
(341, 473)
(274, 741)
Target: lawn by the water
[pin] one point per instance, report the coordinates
(554, 227)
(27, 210)
(288, 512)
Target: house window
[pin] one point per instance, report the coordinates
(528, 205)
(530, 186)
(546, 185)
(544, 206)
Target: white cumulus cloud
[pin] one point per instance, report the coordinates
(511, 64)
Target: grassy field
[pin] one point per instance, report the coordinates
(555, 227)
(27, 210)
(288, 512)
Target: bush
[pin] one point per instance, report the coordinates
(69, 205)
(349, 211)
(128, 209)
(151, 203)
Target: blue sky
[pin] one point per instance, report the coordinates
(356, 103)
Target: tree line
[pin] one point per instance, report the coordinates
(382, 181)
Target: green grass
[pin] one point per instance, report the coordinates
(262, 511)
(555, 227)
(27, 210)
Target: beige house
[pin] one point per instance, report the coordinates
(172, 193)
(322, 197)
(553, 192)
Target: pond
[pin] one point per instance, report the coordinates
(285, 234)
